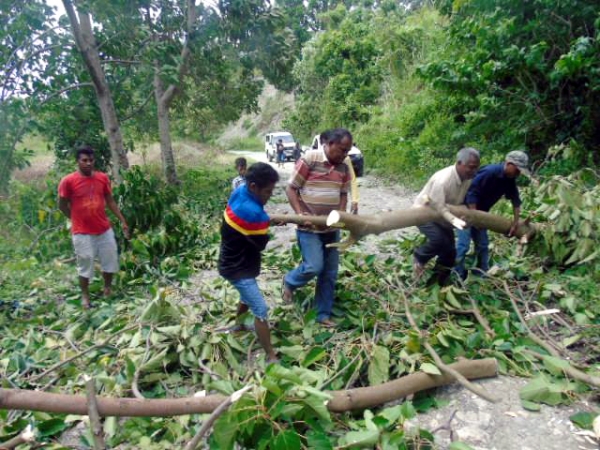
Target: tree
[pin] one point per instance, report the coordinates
(27, 40)
(523, 73)
(81, 26)
(169, 40)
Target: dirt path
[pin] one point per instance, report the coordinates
(484, 426)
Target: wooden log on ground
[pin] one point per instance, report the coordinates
(367, 397)
(345, 400)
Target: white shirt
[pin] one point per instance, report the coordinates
(444, 187)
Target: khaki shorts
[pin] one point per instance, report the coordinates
(89, 246)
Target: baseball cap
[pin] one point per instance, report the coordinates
(519, 159)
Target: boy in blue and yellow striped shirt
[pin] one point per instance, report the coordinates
(244, 235)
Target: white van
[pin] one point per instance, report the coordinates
(289, 145)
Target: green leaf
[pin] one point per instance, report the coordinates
(542, 390)
(379, 366)
(530, 406)
(51, 427)
(110, 426)
(359, 439)
(556, 366)
(281, 373)
(318, 406)
(431, 369)
(315, 354)
(286, 440)
(408, 410)
(459, 446)
(583, 419)
(224, 430)
(318, 440)
(392, 414)
(293, 351)
(451, 298)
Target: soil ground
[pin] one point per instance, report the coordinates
(466, 417)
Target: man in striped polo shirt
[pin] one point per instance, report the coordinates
(319, 185)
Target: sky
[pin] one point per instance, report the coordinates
(58, 5)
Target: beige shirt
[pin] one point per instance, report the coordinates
(444, 187)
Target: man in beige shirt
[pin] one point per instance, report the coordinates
(446, 187)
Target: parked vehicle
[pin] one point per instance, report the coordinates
(289, 145)
(356, 156)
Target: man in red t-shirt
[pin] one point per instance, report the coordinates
(83, 197)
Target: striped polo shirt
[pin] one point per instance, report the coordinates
(320, 183)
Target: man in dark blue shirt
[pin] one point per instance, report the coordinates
(491, 183)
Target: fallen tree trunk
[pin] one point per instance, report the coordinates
(367, 397)
(346, 400)
(359, 226)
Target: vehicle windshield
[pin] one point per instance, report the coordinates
(286, 139)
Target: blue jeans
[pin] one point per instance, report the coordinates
(482, 242)
(251, 296)
(317, 261)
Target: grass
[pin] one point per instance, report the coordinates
(251, 143)
(37, 143)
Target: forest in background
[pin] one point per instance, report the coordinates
(414, 81)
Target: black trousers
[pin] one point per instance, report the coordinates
(440, 243)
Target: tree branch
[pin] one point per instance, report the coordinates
(344, 400)
(66, 89)
(92, 406)
(25, 437)
(443, 366)
(214, 416)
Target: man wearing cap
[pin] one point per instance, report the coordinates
(491, 183)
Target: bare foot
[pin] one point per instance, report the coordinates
(107, 292)
(418, 269)
(328, 323)
(85, 303)
(272, 359)
(286, 293)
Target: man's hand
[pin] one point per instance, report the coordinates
(513, 228)
(458, 223)
(354, 207)
(126, 233)
(307, 223)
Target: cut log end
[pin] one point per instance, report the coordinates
(333, 218)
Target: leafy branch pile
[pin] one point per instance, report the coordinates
(159, 337)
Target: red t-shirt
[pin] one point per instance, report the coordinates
(88, 213)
